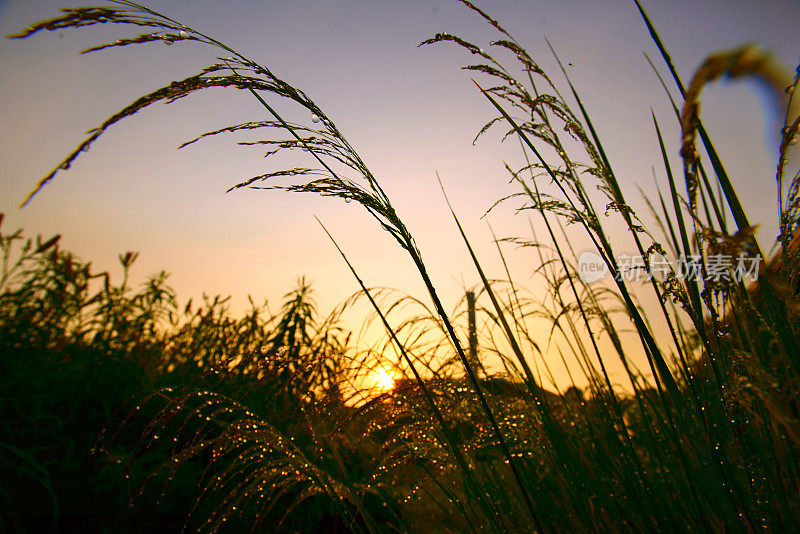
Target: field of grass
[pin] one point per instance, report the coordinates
(125, 410)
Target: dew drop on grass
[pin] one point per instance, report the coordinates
(348, 200)
(184, 34)
(167, 41)
(314, 118)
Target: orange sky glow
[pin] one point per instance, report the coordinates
(410, 112)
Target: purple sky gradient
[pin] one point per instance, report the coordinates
(408, 111)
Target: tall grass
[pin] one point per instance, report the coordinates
(706, 437)
(93, 369)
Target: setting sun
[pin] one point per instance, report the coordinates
(383, 379)
(542, 306)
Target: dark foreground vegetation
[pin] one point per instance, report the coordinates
(123, 410)
(81, 359)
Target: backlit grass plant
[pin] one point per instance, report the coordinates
(705, 437)
(96, 375)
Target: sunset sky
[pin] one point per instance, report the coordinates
(408, 111)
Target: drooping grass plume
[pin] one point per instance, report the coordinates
(701, 435)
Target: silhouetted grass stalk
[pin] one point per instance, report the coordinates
(659, 459)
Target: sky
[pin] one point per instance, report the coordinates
(409, 111)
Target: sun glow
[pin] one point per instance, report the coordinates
(383, 379)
